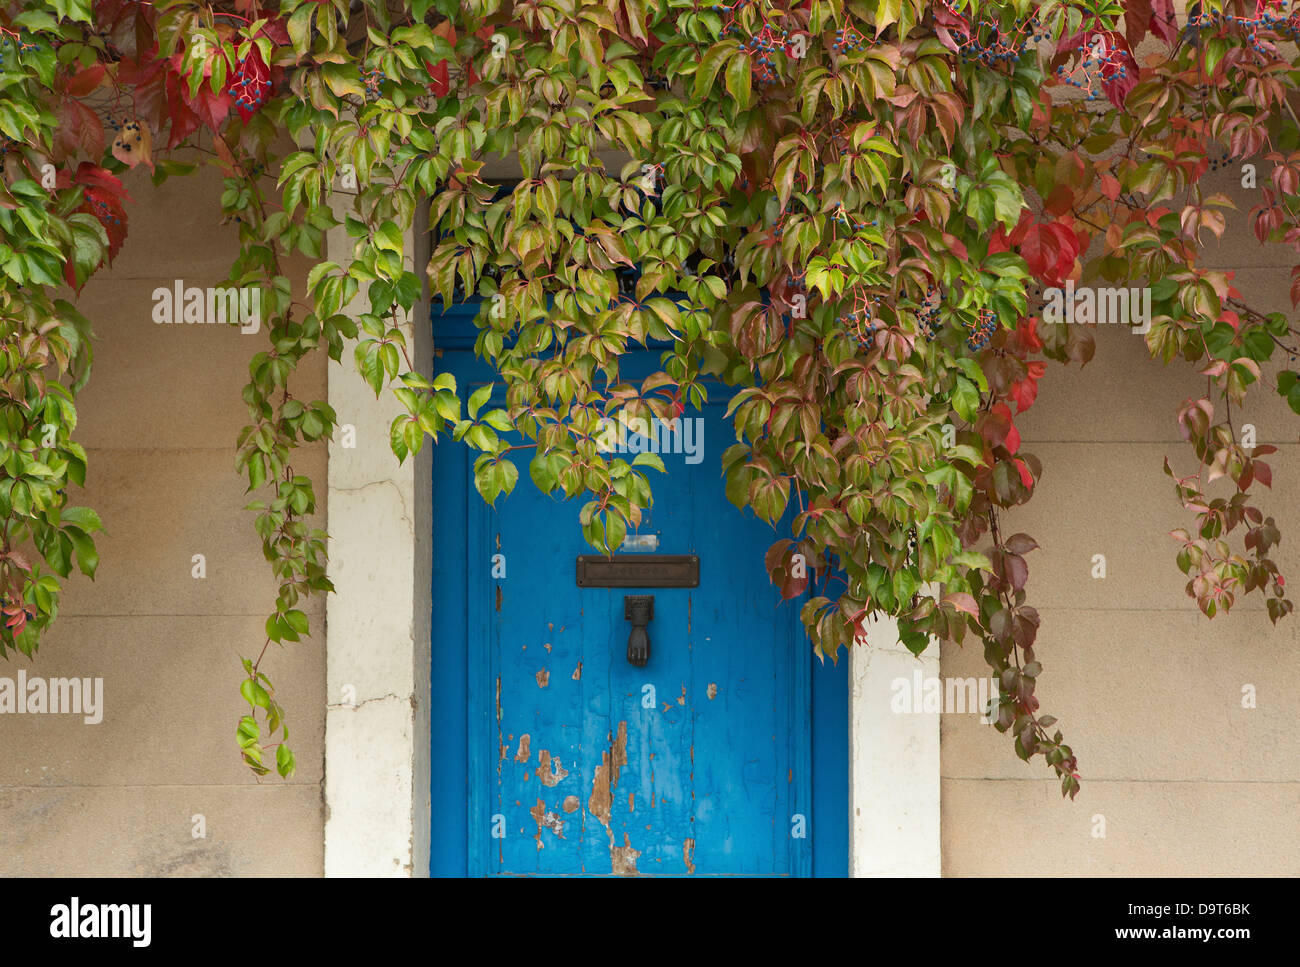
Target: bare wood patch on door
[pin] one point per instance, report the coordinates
(600, 803)
(623, 858)
(549, 770)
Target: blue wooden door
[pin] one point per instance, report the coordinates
(577, 762)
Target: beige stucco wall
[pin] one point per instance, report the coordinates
(1148, 691)
(160, 419)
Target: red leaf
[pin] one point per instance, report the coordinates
(1163, 22)
(1025, 391)
(1042, 250)
(108, 209)
(147, 89)
(1025, 340)
(961, 601)
(1012, 442)
(1119, 71)
(1060, 201)
(439, 78)
(248, 86)
(1066, 47)
(94, 176)
(277, 29)
(1020, 544)
(996, 428)
(1050, 250)
(83, 82)
(80, 130)
(952, 28)
(1137, 19)
(1017, 571)
(1026, 477)
(17, 619)
(184, 120)
(103, 194)
(129, 27)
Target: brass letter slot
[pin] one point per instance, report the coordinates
(639, 571)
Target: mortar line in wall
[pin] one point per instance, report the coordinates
(1025, 440)
(320, 613)
(166, 785)
(1094, 781)
(1041, 607)
(94, 448)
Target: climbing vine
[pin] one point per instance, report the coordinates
(857, 213)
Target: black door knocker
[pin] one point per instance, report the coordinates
(640, 610)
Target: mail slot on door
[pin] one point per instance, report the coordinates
(639, 571)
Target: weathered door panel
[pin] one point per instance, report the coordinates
(580, 763)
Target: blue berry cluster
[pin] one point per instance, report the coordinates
(849, 40)
(729, 11)
(1109, 66)
(761, 47)
(372, 79)
(1222, 161)
(985, 325)
(866, 334)
(991, 45)
(863, 324)
(22, 46)
(1265, 19)
(842, 218)
(103, 212)
(249, 91)
(928, 317)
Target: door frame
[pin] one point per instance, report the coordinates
(383, 795)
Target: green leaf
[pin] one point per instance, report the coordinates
(739, 78)
(965, 399)
(83, 518)
(498, 420)
(478, 398)
(87, 555)
(1215, 48)
(297, 621)
(972, 370)
(254, 694)
(543, 468)
(707, 71)
(284, 761)
(887, 12)
(343, 79)
(388, 237)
